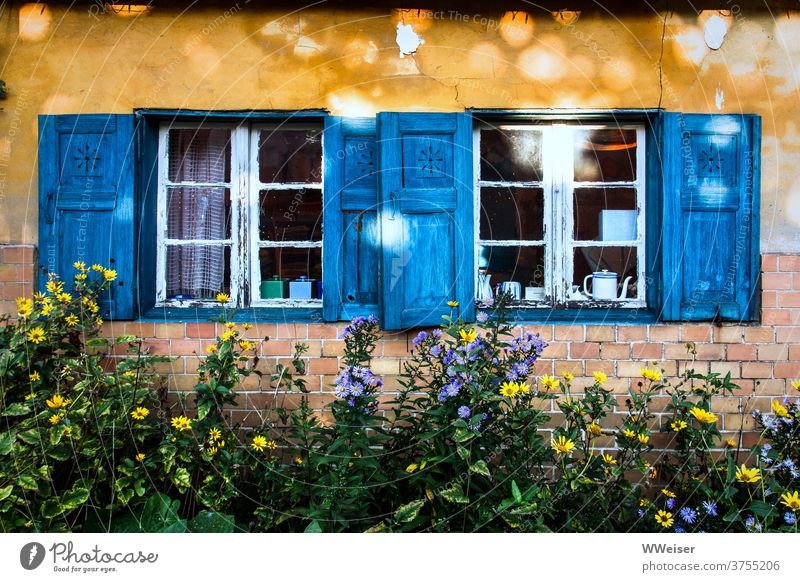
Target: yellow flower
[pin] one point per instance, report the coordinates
(24, 306)
(664, 518)
(652, 375)
(678, 425)
(140, 457)
(71, 320)
(509, 389)
(703, 416)
(56, 418)
(272, 445)
(181, 423)
(28, 523)
(644, 503)
(629, 433)
(54, 287)
(245, 345)
(64, 297)
(30, 396)
(214, 433)
(609, 460)
(792, 501)
(731, 443)
(80, 265)
(452, 303)
(223, 297)
(90, 305)
(99, 321)
(643, 438)
(600, 378)
(68, 431)
(80, 277)
(246, 326)
(548, 382)
(668, 493)
(745, 475)
(523, 388)
(796, 385)
(35, 377)
(140, 413)
(412, 467)
(129, 374)
(468, 336)
(47, 307)
(779, 409)
(230, 334)
(36, 335)
(569, 377)
(57, 401)
(109, 274)
(97, 267)
(211, 349)
(562, 445)
(594, 429)
(259, 442)
(298, 460)
(213, 451)
(230, 325)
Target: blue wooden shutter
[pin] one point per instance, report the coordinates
(86, 201)
(711, 167)
(351, 251)
(426, 217)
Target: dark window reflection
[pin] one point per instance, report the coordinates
(524, 265)
(291, 215)
(605, 155)
(511, 155)
(290, 155)
(512, 214)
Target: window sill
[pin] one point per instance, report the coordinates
(581, 315)
(247, 314)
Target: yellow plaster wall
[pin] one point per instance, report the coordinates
(80, 61)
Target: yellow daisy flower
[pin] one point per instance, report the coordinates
(678, 425)
(652, 375)
(259, 442)
(468, 336)
(600, 377)
(140, 413)
(36, 335)
(703, 416)
(57, 401)
(594, 429)
(745, 475)
(664, 518)
(791, 500)
(562, 445)
(71, 320)
(780, 409)
(452, 303)
(211, 349)
(34, 377)
(140, 457)
(223, 297)
(109, 274)
(548, 382)
(181, 423)
(509, 389)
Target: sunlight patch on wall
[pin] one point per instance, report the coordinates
(34, 22)
(544, 62)
(516, 28)
(690, 44)
(351, 104)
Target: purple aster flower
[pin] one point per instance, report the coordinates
(482, 317)
(421, 337)
(670, 503)
(437, 333)
(679, 529)
(790, 518)
(710, 507)
(372, 319)
(688, 514)
(641, 513)
(750, 522)
(464, 411)
(436, 350)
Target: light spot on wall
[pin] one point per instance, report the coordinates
(516, 28)
(485, 60)
(59, 103)
(714, 31)
(543, 63)
(306, 47)
(34, 22)
(787, 31)
(420, 19)
(407, 40)
(791, 204)
(351, 103)
(402, 67)
(691, 45)
(360, 51)
(719, 98)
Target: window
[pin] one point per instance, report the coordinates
(240, 213)
(560, 212)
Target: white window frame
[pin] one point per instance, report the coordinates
(244, 243)
(558, 186)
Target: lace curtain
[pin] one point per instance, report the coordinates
(197, 213)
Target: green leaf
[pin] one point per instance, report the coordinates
(182, 478)
(50, 509)
(97, 342)
(463, 453)
(481, 468)
(6, 442)
(378, 528)
(454, 494)
(515, 492)
(313, 527)
(212, 522)
(761, 508)
(6, 491)
(159, 512)
(203, 409)
(74, 498)
(31, 437)
(462, 435)
(125, 339)
(409, 511)
(17, 409)
(27, 481)
(56, 433)
(139, 487)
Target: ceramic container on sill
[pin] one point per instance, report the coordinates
(604, 285)
(274, 288)
(303, 288)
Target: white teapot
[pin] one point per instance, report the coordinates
(604, 286)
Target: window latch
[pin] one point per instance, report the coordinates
(392, 205)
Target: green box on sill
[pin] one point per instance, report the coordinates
(275, 288)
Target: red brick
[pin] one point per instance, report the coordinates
(776, 317)
(769, 299)
(759, 335)
(321, 331)
(664, 333)
(543, 331)
(181, 347)
(773, 352)
(787, 369)
(556, 350)
(140, 329)
(696, 333)
(790, 263)
(789, 299)
(769, 263)
(333, 348)
(292, 330)
(794, 353)
(276, 348)
(632, 333)
(170, 331)
(9, 274)
(729, 334)
(323, 366)
(14, 290)
(647, 351)
(615, 351)
(569, 332)
(761, 370)
(593, 366)
(599, 333)
(395, 349)
(741, 352)
(200, 330)
(787, 334)
(18, 255)
(777, 281)
(581, 351)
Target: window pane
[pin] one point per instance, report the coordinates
(512, 214)
(291, 214)
(198, 271)
(291, 264)
(198, 213)
(604, 214)
(290, 155)
(200, 155)
(619, 260)
(511, 155)
(524, 265)
(605, 155)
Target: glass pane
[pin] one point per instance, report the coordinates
(605, 155)
(290, 214)
(200, 155)
(198, 271)
(198, 213)
(619, 260)
(293, 273)
(521, 265)
(604, 214)
(290, 155)
(511, 155)
(512, 213)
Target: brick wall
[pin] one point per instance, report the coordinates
(763, 359)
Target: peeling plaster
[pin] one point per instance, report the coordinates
(714, 32)
(407, 40)
(719, 99)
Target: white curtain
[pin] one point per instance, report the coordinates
(197, 213)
